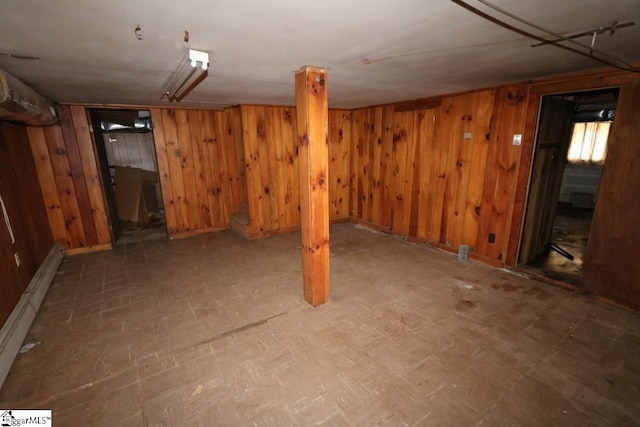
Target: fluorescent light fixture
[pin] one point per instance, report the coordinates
(191, 71)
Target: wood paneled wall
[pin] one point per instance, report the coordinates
(371, 168)
(236, 160)
(71, 185)
(611, 266)
(20, 191)
(502, 177)
(198, 168)
(339, 164)
(271, 167)
(445, 172)
(271, 162)
(197, 161)
(444, 175)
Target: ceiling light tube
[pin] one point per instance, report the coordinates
(192, 70)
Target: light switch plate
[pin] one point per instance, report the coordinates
(517, 139)
(468, 135)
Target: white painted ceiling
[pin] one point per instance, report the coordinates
(376, 51)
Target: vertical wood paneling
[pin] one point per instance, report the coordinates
(402, 121)
(520, 197)
(480, 128)
(220, 175)
(162, 153)
(459, 114)
(46, 177)
(502, 170)
(355, 179)
(271, 168)
(415, 121)
(187, 145)
(611, 268)
(366, 163)
(440, 156)
(423, 218)
(76, 171)
(387, 168)
(339, 165)
(210, 193)
(192, 163)
(70, 181)
(210, 188)
(416, 222)
(252, 170)
(91, 175)
(268, 201)
(451, 177)
(374, 202)
(20, 191)
(291, 167)
(276, 184)
(370, 165)
(201, 168)
(174, 162)
(235, 159)
(65, 187)
(191, 148)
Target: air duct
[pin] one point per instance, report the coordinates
(603, 115)
(20, 103)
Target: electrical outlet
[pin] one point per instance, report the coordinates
(517, 139)
(468, 135)
(17, 257)
(463, 253)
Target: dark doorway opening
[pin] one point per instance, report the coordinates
(129, 167)
(567, 166)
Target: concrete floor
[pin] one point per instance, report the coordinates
(212, 330)
(133, 233)
(571, 233)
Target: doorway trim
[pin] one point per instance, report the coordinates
(98, 134)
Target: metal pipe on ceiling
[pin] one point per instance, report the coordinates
(616, 63)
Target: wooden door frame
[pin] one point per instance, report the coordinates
(94, 113)
(101, 157)
(556, 173)
(594, 80)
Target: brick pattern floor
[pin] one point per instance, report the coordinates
(213, 330)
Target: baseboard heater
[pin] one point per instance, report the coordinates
(15, 329)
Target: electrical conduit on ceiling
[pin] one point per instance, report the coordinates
(603, 58)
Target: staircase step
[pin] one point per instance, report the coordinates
(239, 222)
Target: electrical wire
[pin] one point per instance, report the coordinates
(616, 63)
(551, 33)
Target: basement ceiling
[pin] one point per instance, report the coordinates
(375, 51)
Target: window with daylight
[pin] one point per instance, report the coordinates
(589, 143)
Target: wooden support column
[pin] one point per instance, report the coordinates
(313, 156)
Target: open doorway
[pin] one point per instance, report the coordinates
(569, 156)
(129, 166)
